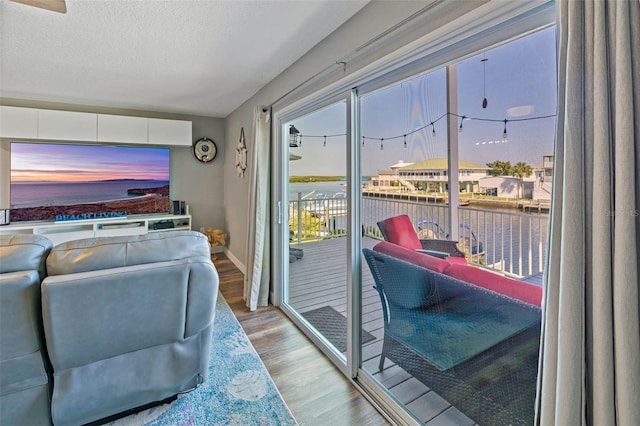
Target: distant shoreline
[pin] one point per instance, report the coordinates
(308, 179)
(144, 204)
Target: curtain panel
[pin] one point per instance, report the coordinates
(257, 277)
(589, 371)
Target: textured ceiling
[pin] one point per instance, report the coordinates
(201, 57)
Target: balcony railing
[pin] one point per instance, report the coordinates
(507, 241)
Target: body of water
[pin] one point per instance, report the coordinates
(314, 188)
(58, 194)
(516, 239)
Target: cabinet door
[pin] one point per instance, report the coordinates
(119, 128)
(18, 122)
(169, 132)
(67, 125)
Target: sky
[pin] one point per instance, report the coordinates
(32, 162)
(518, 79)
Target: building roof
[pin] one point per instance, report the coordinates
(442, 164)
(400, 164)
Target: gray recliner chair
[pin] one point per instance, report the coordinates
(24, 382)
(128, 321)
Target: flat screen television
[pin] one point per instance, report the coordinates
(60, 182)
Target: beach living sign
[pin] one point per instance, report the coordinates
(90, 215)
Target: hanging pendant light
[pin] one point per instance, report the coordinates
(293, 136)
(484, 82)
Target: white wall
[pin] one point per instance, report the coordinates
(200, 185)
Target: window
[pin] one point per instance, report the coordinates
(505, 119)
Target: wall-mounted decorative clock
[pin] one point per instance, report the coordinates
(205, 150)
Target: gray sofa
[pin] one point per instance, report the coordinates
(24, 382)
(128, 321)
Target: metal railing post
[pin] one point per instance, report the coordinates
(299, 217)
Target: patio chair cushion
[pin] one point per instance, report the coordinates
(400, 231)
(417, 258)
(525, 292)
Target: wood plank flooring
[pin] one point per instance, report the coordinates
(316, 392)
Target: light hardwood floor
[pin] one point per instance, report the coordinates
(315, 391)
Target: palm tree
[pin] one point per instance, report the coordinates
(521, 170)
(499, 168)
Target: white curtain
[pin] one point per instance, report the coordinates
(590, 354)
(257, 277)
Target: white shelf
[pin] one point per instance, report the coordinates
(169, 132)
(123, 129)
(43, 124)
(67, 125)
(59, 232)
(18, 122)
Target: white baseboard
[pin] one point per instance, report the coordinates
(235, 261)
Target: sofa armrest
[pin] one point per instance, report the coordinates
(24, 252)
(525, 292)
(20, 320)
(90, 316)
(446, 246)
(202, 295)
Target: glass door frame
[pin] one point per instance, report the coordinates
(280, 230)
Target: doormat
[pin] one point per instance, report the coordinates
(333, 326)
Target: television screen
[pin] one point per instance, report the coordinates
(62, 182)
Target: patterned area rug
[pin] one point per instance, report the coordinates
(333, 325)
(239, 390)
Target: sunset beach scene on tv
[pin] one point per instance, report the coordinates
(59, 182)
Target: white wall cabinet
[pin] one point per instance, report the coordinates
(45, 124)
(18, 122)
(120, 128)
(67, 125)
(169, 132)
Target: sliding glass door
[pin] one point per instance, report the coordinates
(462, 148)
(317, 212)
(404, 163)
(435, 149)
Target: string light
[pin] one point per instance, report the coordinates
(381, 144)
(433, 130)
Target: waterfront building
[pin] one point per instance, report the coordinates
(429, 176)
(543, 179)
(389, 180)
(507, 186)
